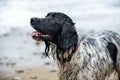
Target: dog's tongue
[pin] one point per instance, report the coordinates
(35, 33)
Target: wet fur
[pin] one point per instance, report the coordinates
(95, 57)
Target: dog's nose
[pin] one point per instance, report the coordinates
(33, 19)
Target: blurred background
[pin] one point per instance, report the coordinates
(21, 58)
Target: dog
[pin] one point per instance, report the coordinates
(93, 57)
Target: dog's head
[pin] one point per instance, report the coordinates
(55, 28)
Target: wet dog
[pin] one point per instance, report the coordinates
(95, 57)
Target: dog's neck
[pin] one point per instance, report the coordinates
(63, 56)
(67, 68)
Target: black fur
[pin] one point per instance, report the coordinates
(113, 51)
(60, 28)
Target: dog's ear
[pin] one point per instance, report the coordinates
(68, 37)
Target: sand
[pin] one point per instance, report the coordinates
(34, 73)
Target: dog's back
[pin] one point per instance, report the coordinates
(101, 56)
(112, 41)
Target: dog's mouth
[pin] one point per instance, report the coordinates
(40, 36)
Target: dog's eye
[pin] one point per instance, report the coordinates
(53, 18)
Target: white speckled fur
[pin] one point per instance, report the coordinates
(92, 60)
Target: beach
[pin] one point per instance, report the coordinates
(33, 73)
(22, 58)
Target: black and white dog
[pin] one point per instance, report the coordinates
(95, 57)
